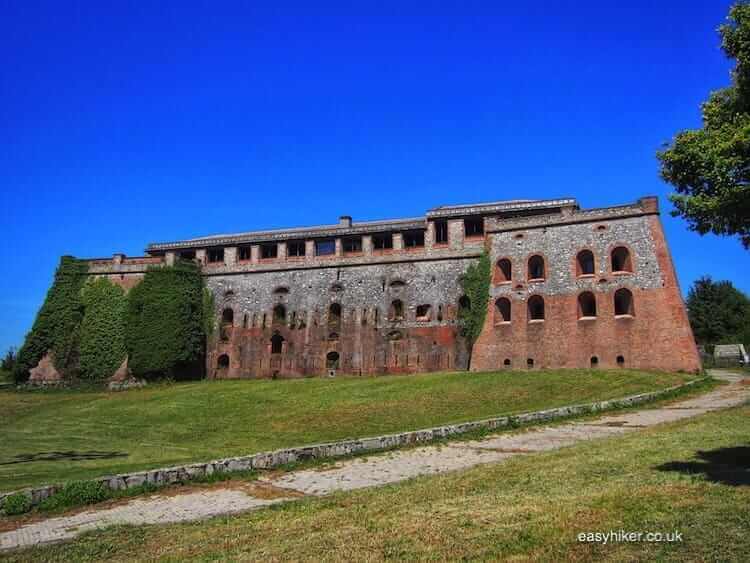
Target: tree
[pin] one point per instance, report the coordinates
(476, 286)
(710, 167)
(9, 360)
(719, 313)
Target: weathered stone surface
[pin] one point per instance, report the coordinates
(45, 372)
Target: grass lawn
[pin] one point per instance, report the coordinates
(691, 476)
(56, 436)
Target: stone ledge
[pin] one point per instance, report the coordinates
(269, 460)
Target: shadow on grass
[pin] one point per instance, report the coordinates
(62, 456)
(729, 466)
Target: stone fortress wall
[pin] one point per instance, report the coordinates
(570, 288)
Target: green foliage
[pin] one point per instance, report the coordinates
(209, 324)
(57, 324)
(476, 286)
(165, 320)
(719, 313)
(18, 503)
(9, 360)
(76, 493)
(102, 347)
(710, 167)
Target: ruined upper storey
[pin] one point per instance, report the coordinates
(444, 232)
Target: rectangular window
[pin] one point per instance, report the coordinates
(268, 251)
(295, 248)
(474, 226)
(187, 255)
(325, 247)
(215, 255)
(441, 232)
(413, 239)
(382, 241)
(352, 244)
(244, 253)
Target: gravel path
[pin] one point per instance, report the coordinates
(371, 471)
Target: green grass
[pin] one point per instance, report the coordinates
(45, 434)
(686, 476)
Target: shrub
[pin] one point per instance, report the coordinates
(16, 504)
(57, 323)
(76, 493)
(102, 340)
(476, 286)
(165, 320)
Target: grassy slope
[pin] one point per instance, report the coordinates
(529, 508)
(164, 425)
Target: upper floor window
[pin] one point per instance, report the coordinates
(295, 248)
(413, 239)
(536, 268)
(382, 241)
(536, 308)
(279, 314)
(502, 310)
(215, 255)
(334, 317)
(585, 263)
(504, 270)
(441, 232)
(397, 310)
(244, 253)
(586, 305)
(621, 261)
(187, 255)
(268, 251)
(227, 317)
(624, 302)
(325, 247)
(352, 244)
(474, 226)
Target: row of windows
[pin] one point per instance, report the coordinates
(623, 305)
(620, 261)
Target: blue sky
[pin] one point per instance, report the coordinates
(123, 123)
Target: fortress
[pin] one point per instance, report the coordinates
(571, 288)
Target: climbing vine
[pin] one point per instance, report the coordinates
(102, 341)
(476, 286)
(57, 324)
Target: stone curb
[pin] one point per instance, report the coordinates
(269, 460)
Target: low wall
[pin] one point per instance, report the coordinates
(269, 460)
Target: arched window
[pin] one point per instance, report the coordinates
(504, 270)
(502, 310)
(397, 310)
(529, 363)
(281, 290)
(334, 317)
(620, 361)
(277, 342)
(424, 312)
(506, 363)
(279, 314)
(586, 305)
(536, 308)
(594, 361)
(464, 303)
(536, 268)
(624, 302)
(332, 360)
(621, 261)
(585, 263)
(227, 317)
(222, 362)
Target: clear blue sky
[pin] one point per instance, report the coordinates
(123, 123)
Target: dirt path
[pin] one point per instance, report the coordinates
(371, 471)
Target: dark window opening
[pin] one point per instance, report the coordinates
(423, 312)
(279, 314)
(413, 239)
(502, 306)
(621, 261)
(536, 308)
(382, 241)
(332, 360)
(441, 232)
(530, 362)
(624, 302)
(334, 317)
(187, 255)
(244, 321)
(215, 255)
(281, 290)
(585, 263)
(222, 362)
(244, 253)
(325, 247)
(227, 317)
(440, 313)
(536, 267)
(277, 342)
(295, 248)
(268, 251)
(586, 305)
(464, 304)
(594, 361)
(620, 361)
(504, 270)
(397, 310)
(397, 284)
(352, 244)
(474, 226)
(506, 363)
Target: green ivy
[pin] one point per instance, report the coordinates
(102, 347)
(476, 286)
(165, 320)
(57, 324)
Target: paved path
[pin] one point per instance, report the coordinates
(374, 470)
